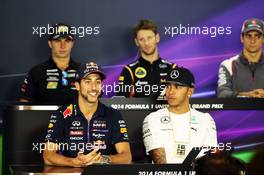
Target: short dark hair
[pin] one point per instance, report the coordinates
(219, 163)
(145, 24)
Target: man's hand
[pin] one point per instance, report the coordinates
(256, 93)
(158, 155)
(84, 160)
(259, 93)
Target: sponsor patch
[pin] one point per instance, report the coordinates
(193, 120)
(52, 85)
(53, 121)
(121, 78)
(174, 74)
(76, 138)
(51, 78)
(162, 66)
(75, 128)
(146, 131)
(76, 123)
(25, 81)
(71, 75)
(50, 125)
(140, 72)
(53, 116)
(121, 121)
(52, 70)
(68, 111)
(163, 74)
(50, 131)
(165, 119)
(56, 74)
(99, 124)
(123, 130)
(125, 135)
(72, 70)
(98, 135)
(122, 125)
(100, 130)
(76, 133)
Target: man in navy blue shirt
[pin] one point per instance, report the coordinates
(85, 131)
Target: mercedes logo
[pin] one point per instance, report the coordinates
(174, 74)
(165, 119)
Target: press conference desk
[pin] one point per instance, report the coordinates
(27, 124)
(132, 169)
(40, 169)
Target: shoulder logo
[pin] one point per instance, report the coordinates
(68, 111)
(140, 72)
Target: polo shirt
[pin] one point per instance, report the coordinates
(68, 126)
(47, 84)
(178, 134)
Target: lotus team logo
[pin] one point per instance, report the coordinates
(140, 72)
(174, 74)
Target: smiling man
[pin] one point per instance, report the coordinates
(53, 82)
(170, 133)
(85, 131)
(143, 77)
(242, 75)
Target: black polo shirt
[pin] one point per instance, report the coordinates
(68, 126)
(47, 84)
(144, 77)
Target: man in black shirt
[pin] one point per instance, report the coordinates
(142, 78)
(52, 82)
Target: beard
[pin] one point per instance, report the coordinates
(89, 99)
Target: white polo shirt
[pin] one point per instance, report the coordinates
(178, 134)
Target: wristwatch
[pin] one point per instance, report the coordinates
(106, 159)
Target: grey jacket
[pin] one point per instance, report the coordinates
(236, 75)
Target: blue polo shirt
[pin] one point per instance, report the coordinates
(73, 132)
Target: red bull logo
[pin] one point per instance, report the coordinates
(68, 111)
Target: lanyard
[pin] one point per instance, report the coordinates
(181, 148)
